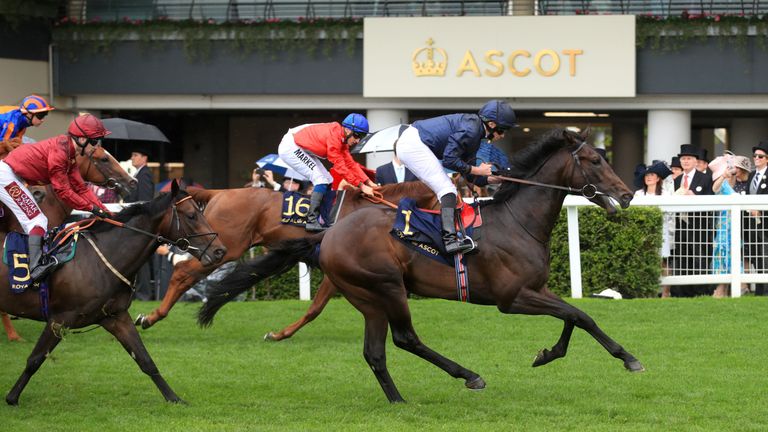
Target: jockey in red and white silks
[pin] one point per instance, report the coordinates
(303, 146)
(51, 161)
(454, 139)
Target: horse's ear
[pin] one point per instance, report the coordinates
(586, 132)
(174, 188)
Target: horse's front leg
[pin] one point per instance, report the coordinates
(543, 302)
(324, 293)
(44, 346)
(123, 329)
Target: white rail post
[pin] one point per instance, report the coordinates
(737, 266)
(574, 251)
(304, 282)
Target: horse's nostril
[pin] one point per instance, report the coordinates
(133, 184)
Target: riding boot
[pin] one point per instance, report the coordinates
(452, 243)
(313, 216)
(38, 269)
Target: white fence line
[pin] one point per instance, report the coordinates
(733, 204)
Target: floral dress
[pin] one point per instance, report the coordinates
(721, 253)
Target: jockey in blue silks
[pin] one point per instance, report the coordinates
(14, 122)
(454, 139)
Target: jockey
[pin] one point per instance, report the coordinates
(51, 161)
(14, 122)
(303, 145)
(455, 139)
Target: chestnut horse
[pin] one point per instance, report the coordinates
(101, 169)
(251, 216)
(375, 271)
(95, 289)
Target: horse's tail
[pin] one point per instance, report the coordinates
(277, 261)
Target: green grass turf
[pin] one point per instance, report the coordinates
(705, 362)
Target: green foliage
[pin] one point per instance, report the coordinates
(243, 38)
(620, 252)
(674, 32)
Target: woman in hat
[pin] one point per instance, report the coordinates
(652, 178)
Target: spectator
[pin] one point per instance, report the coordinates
(676, 168)
(256, 180)
(724, 175)
(106, 195)
(652, 179)
(145, 191)
(394, 172)
(756, 223)
(692, 229)
(744, 167)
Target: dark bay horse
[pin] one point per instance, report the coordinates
(251, 216)
(375, 271)
(95, 288)
(97, 167)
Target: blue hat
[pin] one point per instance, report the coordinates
(659, 168)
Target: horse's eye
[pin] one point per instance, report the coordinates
(596, 161)
(105, 159)
(192, 216)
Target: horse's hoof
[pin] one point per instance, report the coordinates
(11, 401)
(475, 384)
(542, 358)
(634, 366)
(139, 322)
(269, 337)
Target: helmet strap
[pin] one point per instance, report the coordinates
(489, 131)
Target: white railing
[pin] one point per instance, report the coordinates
(681, 206)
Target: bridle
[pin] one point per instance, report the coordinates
(589, 190)
(109, 182)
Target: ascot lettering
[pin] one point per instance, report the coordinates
(546, 63)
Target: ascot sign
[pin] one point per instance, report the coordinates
(575, 56)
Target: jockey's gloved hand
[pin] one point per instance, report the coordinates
(99, 212)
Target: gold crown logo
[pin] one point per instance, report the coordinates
(429, 66)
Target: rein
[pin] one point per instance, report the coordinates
(588, 191)
(378, 198)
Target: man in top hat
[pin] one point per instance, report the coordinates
(758, 222)
(693, 230)
(691, 181)
(702, 162)
(145, 189)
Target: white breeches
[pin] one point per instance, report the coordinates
(15, 195)
(304, 162)
(418, 158)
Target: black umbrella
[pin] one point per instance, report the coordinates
(123, 129)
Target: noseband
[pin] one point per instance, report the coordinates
(588, 191)
(109, 182)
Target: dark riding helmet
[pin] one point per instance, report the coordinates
(500, 112)
(87, 126)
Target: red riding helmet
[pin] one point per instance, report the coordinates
(87, 126)
(34, 104)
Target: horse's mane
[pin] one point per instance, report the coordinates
(149, 208)
(411, 189)
(527, 162)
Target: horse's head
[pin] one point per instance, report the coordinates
(102, 169)
(186, 226)
(592, 174)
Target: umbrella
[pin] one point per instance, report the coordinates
(123, 129)
(273, 163)
(380, 141)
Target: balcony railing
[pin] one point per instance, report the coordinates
(662, 8)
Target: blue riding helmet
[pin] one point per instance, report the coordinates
(500, 112)
(34, 104)
(356, 123)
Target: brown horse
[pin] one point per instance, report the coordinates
(251, 216)
(375, 271)
(97, 167)
(95, 288)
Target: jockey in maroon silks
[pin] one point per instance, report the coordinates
(51, 161)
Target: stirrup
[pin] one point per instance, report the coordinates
(314, 227)
(40, 271)
(458, 245)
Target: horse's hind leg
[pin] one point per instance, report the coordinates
(545, 303)
(123, 329)
(404, 336)
(9, 330)
(324, 293)
(185, 275)
(45, 344)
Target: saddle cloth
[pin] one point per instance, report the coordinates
(420, 229)
(16, 257)
(296, 208)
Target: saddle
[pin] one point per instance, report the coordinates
(420, 229)
(16, 256)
